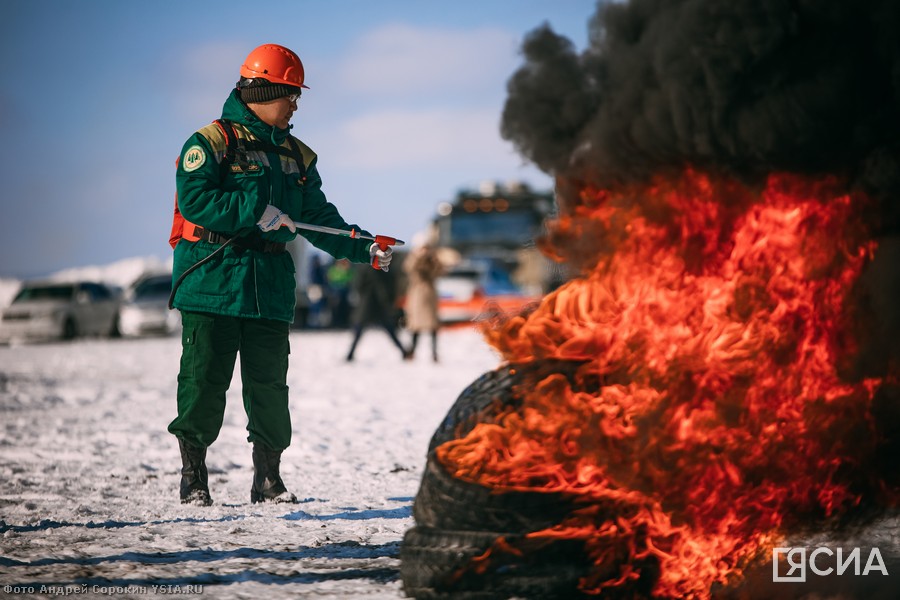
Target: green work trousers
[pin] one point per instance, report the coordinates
(209, 345)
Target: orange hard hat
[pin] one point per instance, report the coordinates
(275, 64)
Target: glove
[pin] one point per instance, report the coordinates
(272, 219)
(383, 256)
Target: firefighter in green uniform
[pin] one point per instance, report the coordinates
(245, 177)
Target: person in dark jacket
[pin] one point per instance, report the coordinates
(242, 300)
(376, 294)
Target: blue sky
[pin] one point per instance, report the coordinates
(98, 96)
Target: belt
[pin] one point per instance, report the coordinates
(250, 242)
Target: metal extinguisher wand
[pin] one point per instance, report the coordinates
(383, 241)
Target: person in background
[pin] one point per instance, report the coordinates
(339, 277)
(242, 300)
(377, 298)
(422, 267)
(318, 292)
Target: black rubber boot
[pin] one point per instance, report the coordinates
(194, 477)
(267, 483)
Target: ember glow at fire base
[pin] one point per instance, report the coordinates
(715, 407)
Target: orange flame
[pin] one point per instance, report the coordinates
(717, 329)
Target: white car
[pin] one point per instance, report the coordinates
(58, 310)
(145, 309)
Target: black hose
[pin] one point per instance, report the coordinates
(194, 267)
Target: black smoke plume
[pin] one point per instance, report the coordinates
(736, 87)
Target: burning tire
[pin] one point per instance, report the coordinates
(445, 502)
(436, 564)
(458, 521)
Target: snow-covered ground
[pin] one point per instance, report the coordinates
(89, 475)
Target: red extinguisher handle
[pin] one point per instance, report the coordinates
(383, 242)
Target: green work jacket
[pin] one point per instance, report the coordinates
(241, 282)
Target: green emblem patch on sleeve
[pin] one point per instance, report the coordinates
(194, 158)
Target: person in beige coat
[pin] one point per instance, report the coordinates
(422, 267)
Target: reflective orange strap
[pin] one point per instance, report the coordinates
(187, 232)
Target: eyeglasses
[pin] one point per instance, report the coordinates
(293, 98)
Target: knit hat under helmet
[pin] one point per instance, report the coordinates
(261, 90)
